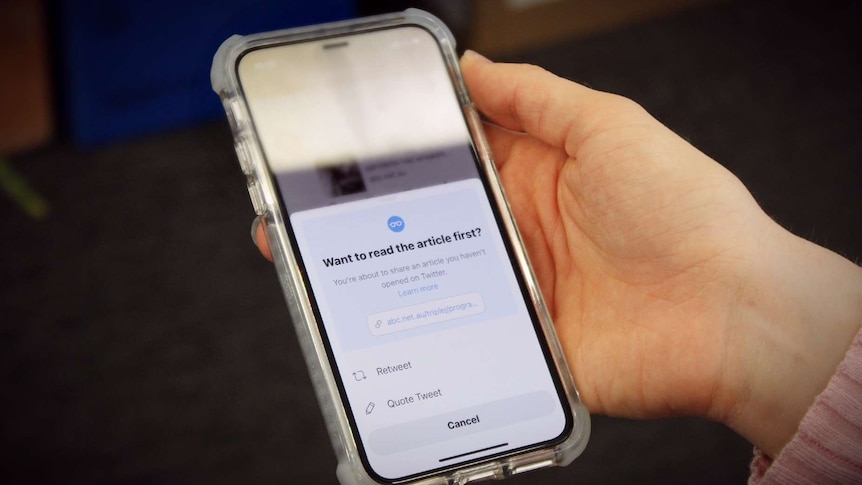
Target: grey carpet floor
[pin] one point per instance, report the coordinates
(143, 340)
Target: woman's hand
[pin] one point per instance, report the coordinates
(672, 292)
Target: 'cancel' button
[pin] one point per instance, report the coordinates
(463, 422)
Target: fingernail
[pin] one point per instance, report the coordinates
(254, 225)
(475, 57)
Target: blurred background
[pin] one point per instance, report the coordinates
(143, 339)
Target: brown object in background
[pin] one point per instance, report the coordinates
(506, 26)
(25, 96)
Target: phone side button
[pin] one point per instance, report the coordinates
(256, 197)
(234, 115)
(243, 156)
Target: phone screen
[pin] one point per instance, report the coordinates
(439, 354)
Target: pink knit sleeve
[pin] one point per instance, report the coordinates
(827, 448)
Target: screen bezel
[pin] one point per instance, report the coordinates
(520, 277)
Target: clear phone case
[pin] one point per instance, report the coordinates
(265, 200)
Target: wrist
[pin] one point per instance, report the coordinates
(798, 309)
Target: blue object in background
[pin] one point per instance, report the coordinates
(134, 67)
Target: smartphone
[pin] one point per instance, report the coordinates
(432, 354)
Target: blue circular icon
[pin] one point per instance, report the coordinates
(395, 223)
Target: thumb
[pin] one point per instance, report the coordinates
(522, 97)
